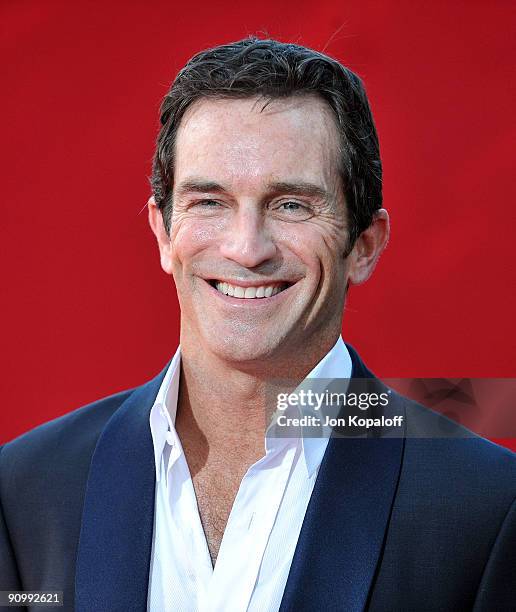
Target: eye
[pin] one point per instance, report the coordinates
(205, 207)
(291, 210)
(207, 203)
(291, 206)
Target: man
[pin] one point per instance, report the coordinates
(266, 208)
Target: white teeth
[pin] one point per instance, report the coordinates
(248, 292)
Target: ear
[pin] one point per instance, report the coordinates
(158, 229)
(368, 248)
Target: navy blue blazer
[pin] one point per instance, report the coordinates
(393, 523)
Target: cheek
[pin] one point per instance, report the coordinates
(317, 244)
(190, 237)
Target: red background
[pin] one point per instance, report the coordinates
(86, 308)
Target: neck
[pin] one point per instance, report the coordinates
(228, 405)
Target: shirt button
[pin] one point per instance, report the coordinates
(170, 438)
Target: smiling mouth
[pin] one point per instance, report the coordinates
(262, 291)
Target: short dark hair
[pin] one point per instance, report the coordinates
(271, 69)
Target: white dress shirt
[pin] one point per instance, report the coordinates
(261, 534)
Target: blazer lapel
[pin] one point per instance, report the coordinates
(117, 525)
(344, 529)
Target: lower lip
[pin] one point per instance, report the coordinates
(249, 302)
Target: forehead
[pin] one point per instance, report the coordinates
(246, 141)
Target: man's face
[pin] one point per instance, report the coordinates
(258, 229)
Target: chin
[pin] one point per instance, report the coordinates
(253, 348)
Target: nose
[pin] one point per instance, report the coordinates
(247, 240)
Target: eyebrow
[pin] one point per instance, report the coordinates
(299, 188)
(199, 186)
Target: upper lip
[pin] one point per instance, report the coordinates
(249, 283)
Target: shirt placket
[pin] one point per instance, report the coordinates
(184, 513)
(247, 531)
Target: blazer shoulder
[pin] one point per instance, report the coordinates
(63, 448)
(455, 455)
(60, 442)
(443, 453)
